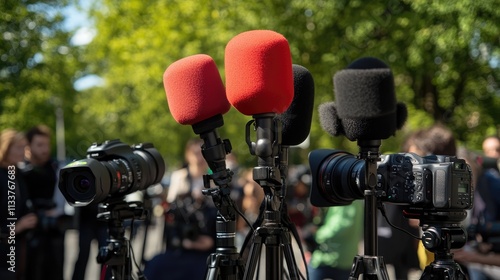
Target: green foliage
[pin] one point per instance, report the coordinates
(37, 65)
(442, 54)
(430, 49)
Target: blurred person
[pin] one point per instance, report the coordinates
(491, 147)
(190, 222)
(439, 140)
(300, 209)
(484, 228)
(253, 196)
(13, 188)
(337, 239)
(41, 175)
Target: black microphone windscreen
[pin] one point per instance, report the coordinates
(329, 119)
(365, 100)
(364, 90)
(297, 118)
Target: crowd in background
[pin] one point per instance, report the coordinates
(329, 238)
(28, 183)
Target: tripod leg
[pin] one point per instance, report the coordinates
(253, 258)
(291, 264)
(274, 259)
(357, 268)
(213, 267)
(293, 269)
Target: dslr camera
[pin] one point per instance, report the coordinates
(425, 184)
(111, 170)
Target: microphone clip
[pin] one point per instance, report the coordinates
(266, 147)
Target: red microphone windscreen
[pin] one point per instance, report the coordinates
(259, 76)
(194, 89)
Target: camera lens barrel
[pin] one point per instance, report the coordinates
(112, 170)
(338, 178)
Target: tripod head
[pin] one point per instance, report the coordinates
(441, 233)
(116, 253)
(439, 239)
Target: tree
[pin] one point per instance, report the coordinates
(442, 55)
(37, 65)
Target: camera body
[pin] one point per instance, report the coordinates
(432, 183)
(111, 170)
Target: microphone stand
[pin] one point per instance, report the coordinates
(271, 233)
(225, 263)
(370, 265)
(283, 167)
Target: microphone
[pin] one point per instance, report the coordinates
(259, 82)
(259, 77)
(194, 88)
(365, 106)
(297, 118)
(196, 97)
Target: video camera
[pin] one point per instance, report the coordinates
(431, 183)
(111, 170)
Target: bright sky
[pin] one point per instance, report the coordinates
(84, 32)
(78, 21)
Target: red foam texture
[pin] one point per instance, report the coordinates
(259, 76)
(194, 89)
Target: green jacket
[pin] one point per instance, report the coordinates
(338, 236)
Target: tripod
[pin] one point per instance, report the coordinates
(272, 232)
(226, 262)
(371, 265)
(116, 254)
(277, 240)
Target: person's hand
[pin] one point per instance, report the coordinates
(464, 256)
(26, 222)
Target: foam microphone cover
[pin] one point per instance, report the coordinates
(329, 120)
(365, 102)
(194, 89)
(259, 77)
(296, 120)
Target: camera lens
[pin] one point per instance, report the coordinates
(338, 178)
(77, 183)
(81, 183)
(112, 171)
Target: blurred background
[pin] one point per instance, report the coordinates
(92, 70)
